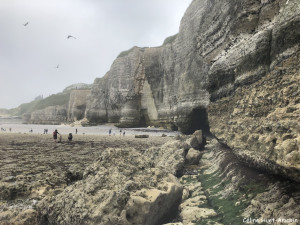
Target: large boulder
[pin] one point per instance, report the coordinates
(154, 206)
(193, 156)
(169, 157)
(197, 140)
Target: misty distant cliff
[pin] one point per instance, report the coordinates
(66, 106)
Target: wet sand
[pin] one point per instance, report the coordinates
(33, 166)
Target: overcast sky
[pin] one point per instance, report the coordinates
(29, 55)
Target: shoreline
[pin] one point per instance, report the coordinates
(66, 129)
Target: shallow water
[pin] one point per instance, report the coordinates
(17, 126)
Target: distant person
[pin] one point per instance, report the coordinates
(76, 131)
(120, 132)
(55, 135)
(47, 131)
(44, 131)
(123, 133)
(109, 132)
(31, 130)
(9, 129)
(70, 137)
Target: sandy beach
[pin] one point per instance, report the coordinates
(33, 166)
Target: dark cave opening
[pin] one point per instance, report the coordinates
(199, 120)
(144, 119)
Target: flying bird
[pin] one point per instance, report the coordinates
(25, 24)
(70, 36)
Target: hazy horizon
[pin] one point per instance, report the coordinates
(38, 58)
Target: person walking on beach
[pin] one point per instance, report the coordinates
(120, 132)
(124, 133)
(76, 131)
(109, 132)
(70, 137)
(55, 135)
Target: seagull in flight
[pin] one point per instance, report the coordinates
(25, 24)
(70, 36)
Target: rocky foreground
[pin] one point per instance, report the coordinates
(125, 180)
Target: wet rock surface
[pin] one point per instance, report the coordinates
(225, 191)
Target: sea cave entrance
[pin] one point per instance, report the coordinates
(198, 120)
(144, 118)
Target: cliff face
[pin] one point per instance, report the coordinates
(260, 122)
(72, 109)
(77, 104)
(232, 68)
(49, 115)
(221, 45)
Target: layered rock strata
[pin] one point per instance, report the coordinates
(261, 122)
(220, 46)
(232, 68)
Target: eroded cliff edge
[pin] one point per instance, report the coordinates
(232, 68)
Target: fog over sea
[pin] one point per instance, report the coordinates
(16, 125)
